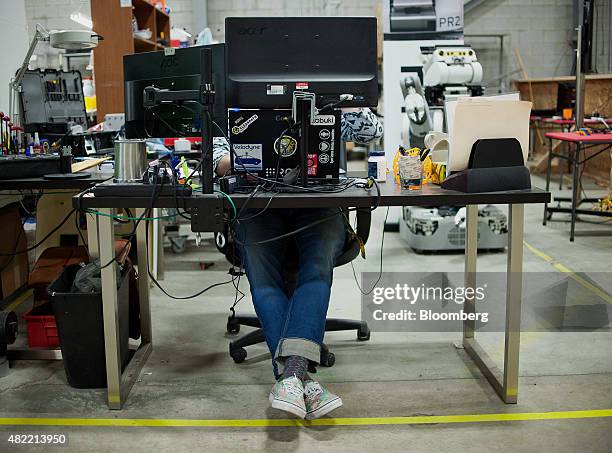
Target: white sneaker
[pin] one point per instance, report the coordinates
(288, 395)
(319, 401)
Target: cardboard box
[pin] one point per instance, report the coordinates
(14, 269)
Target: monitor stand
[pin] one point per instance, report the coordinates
(205, 98)
(304, 110)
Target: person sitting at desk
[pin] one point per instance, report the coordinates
(294, 326)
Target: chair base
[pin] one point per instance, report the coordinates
(239, 354)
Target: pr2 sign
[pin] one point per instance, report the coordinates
(449, 23)
(449, 15)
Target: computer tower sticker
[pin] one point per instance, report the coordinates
(239, 129)
(285, 146)
(248, 156)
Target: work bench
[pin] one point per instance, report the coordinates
(577, 145)
(47, 216)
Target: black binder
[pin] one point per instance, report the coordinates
(495, 165)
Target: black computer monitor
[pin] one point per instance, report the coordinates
(176, 69)
(270, 58)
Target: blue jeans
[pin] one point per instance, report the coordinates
(293, 324)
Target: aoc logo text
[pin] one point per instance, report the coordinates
(252, 31)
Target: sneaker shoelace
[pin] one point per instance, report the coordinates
(313, 389)
(292, 389)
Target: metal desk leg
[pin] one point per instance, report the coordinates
(471, 252)
(143, 280)
(505, 382)
(575, 190)
(92, 236)
(110, 309)
(548, 172)
(514, 290)
(561, 170)
(568, 149)
(160, 243)
(119, 384)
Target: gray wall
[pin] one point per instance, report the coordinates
(55, 14)
(13, 44)
(218, 10)
(540, 29)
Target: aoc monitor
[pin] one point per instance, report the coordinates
(171, 69)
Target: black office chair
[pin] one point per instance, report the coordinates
(349, 253)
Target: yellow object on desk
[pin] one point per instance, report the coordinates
(438, 172)
(427, 170)
(402, 152)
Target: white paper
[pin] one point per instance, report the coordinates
(471, 119)
(125, 3)
(449, 106)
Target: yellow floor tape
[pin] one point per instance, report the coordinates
(21, 299)
(577, 278)
(416, 420)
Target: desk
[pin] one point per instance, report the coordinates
(36, 184)
(505, 381)
(580, 143)
(53, 184)
(567, 126)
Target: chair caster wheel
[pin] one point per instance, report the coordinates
(238, 354)
(233, 326)
(178, 245)
(328, 359)
(363, 334)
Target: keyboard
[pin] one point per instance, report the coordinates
(22, 167)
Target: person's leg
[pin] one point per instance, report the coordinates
(304, 324)
(263, 265)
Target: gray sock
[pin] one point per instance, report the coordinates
(297, 366)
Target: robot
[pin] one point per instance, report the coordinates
(434, 229)
(411, 27)
(448, 73)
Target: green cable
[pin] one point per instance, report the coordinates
(231, 202)
(123, 217)
(199, 189)
(92, 211)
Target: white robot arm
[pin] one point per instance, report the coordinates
(452, 65)
(416, 108)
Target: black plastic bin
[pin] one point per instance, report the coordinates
(80, 327)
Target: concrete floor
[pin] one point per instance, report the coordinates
(191, 376)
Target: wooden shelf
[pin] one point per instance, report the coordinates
(115, 23)
(145, 45)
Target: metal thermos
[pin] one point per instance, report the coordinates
(66, 160)
(130, 160)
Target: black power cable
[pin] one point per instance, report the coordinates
(54, 230)
(380, 270)
(21, 231)
(171, 296)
